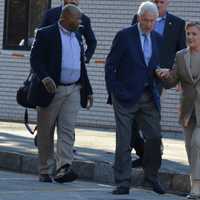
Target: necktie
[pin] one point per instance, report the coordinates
(146, 49)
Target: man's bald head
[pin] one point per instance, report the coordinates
(70, 17)
(70, 9)
(75, 2)
(162, 6)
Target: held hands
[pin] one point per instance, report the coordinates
(89, 101)
(49, 84)
(162, 73)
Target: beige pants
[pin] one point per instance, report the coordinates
(192, 144)
(62, 112)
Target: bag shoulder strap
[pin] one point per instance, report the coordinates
(27, 125)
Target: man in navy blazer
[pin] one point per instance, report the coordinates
(173, 33)
(131, 82)
(57, 57)
(172, 29)
(52, 16)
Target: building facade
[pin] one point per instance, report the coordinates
(18, 20)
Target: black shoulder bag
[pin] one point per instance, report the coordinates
(31, 95)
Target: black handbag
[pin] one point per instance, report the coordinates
(33, 93)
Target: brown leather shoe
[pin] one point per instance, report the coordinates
(45, 178)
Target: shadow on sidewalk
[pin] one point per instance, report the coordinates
(20, 144)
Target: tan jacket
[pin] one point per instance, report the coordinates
(190, 97)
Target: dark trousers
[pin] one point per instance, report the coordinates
(148, 117)
(137, 142)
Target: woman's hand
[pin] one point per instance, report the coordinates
(162, 73)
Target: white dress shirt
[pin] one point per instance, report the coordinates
(71, 55)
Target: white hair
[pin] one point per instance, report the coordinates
(147, 6)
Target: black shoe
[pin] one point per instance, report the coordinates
(155, 184)
(136, 163)
(45, 178)
(120, 190)
(193, 196)
(65, 174)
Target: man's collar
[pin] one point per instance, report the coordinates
(65, 31)
(141, 32)
(161, 18)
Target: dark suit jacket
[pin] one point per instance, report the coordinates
(46, 56)
(125, 70)
(173, 39)
(52, 16)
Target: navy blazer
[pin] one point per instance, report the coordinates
(46, 58)
(173, 39)
(52, 16)
(125, 70)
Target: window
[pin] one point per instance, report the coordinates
(22, 17)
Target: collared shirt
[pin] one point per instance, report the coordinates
(71, 52)
(160, 24)
(142, 38)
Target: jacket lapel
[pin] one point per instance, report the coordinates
(58, 45)
(197, 79)
(78, 36)
(168, 26)
(139, 45)
(187, 58)
(153, 45)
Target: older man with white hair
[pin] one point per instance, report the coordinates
(131, 83)
(172, 29)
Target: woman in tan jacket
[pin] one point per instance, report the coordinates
(186, 71)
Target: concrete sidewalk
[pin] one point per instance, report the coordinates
(18, 186)
(94, 156)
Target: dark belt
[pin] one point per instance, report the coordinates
(66, 84)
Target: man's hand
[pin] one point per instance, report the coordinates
(162, 73)
(49, 84)
(89, 101)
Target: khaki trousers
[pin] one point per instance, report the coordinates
(62, 112)
(192, 144)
